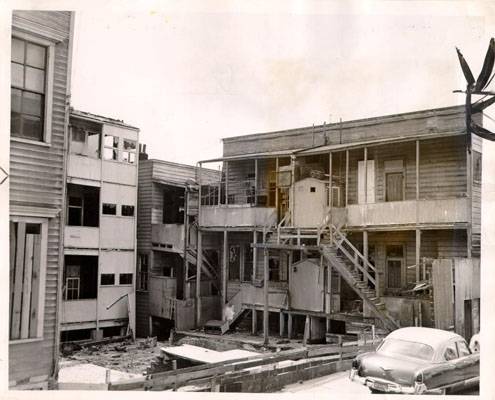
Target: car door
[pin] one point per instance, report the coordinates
(467, 365)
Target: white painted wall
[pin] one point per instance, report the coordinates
(117, 232)
(116, 262)
(309, 207)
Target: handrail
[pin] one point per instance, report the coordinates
(282, 223)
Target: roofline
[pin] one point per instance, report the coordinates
(100, 118)
(351, 123)
(185, 166)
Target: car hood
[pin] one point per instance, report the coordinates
(396, 369)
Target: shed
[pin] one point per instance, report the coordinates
(310, 202)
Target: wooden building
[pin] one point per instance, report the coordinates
(100, 228)
(167, 229)
(40, 88)
(380, 208)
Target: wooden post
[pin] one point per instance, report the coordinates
(26, 288)
(199, 262)
(254, 321)
(226, 182)
(418, 253)
(346, 177)
(255, 181)
(330, 172)
(307, 328)
(255, 255)
(150, 326)
(19, 271)
(417, 170)
(289, 326)
(224, 267)
(365, 175)
(365, 253)
(276, 187)
(469, 155)
(293, 190)
(265, 295)
(329, 280)
(281, 324)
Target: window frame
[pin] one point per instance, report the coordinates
(126, 284)
(394, 166)
(49, 79)
(107, 284)
(127, 205)
(113, 147)
(43, 222)
(129, 151)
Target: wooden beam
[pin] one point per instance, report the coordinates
(226, 182)
(26, 287)
(255, 255)
(224, 267)
(346, 177)
(276, 246)
(281, 324)
(469, 179)
(199, 262)
(417, 169)
(255, 181)
(329, 291)
(365, 252)
(293, 189)
(13, 246)
(265, 295)
(19, 271)
(289, 326)
(330, 172)
(418, 253)
(276, 186)
(365, 175)
(254, 321)
(35, 287)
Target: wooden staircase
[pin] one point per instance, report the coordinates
(221, 327)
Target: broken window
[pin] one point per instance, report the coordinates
(173, 205)
(125, 279)
(80, 275)
(129, 151)
(142, 272)
(107, 279)
(84, 142)
(82, 205)
(28, 89)
(111, 147)
(109, 209)
(27, 272)
(127, 211)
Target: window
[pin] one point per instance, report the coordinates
(83, 203)
(72, 285)
(80, 277)
(109, 209)
(234, 263)
(111, 147)
(84, 142)
(394, 180)
(477, 163)
(28, 236)
(107, 279)
(450, 352)
(28, 89)
(129, 151)
(462, 349)
(312, 189)
(127, 211)
(274, 269)
(125, 279)
(395, 259)
(143, 268)
(75, 214)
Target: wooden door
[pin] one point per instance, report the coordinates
(395, 186)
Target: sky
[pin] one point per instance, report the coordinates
(189, 76)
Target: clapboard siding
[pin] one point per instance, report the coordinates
(36, 180)
(144, 206)
(142, 314)
(446, 120)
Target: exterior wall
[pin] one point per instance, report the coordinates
(36, 181)
(476, 202)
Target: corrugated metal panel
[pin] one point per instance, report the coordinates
(36, 179)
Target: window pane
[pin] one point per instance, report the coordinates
(75, 201)
(35, 79)
(35, 55)
(129, 145)
(32, 127)
(109, 209)
(18, 50)
(17, 74)
(107, 279)
(32, 103)
(15, 100)
(108, 140)
(115, 142)
(15, 124)
(127, 211)
(93, 145)
(125, 279)
(109, 154)
(132, 158)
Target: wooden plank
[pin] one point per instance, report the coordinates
(13, 245)
(35, 288)
(26, 290)
(19, 271)
(266, 284)
(442, 293)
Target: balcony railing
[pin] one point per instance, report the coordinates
(234, 192)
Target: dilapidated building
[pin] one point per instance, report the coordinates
(374, 220)
(40, 87)
(100, 228)
(167, 229)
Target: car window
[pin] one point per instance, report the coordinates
(463, 349)
(450, 352)
(406, 348)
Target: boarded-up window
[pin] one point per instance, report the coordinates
(27, 272)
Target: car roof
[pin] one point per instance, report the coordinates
(431, 336)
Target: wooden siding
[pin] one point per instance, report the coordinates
(446, 120)
(36, 180)
(477, 145)
(144, 206)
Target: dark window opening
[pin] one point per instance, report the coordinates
(75, 335)
(80, 277)
(83, 203)
(395, 259)
(248, 263)
(85, 143)
(125, 279)
(173, 205)
(143, 271)
(312, 189)
(234, 263)
(274, 269)
(107, 279)
(109, 209)
(127, 211)
(111, 331)
(166, 264)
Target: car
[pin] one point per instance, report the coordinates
(474, 343)
(418, 360)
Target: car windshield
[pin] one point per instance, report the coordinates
(406, 348)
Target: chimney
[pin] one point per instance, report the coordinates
(142, 152)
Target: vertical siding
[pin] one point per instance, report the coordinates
(36, 179)
(477, 145)
(142, 314)
(144, 206)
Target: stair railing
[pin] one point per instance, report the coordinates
(282, 223)
(354, 255)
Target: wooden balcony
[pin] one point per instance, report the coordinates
(237, 215)
(84, 167)
(78, 311)
(448, 211)
(85, 237)
(168, 235)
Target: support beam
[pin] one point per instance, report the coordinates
(255, 256)
(330, 293)
(276, 188)
(289, 326)
(199, 191)
(346, 177)
(365, 252)
(265, 296)
(469, 179)
(292, 189)
(365, 175)
(417, 169)
(281, 324)
(199, 265)
(418, 253)
(330, 173)
(225, 260)
(254, 321)
(255, 181)
(226, 182)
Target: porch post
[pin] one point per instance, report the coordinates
(365, 252)
(329, 291)
(255, 182)
(346, 177)
(289, 326)
(281, 324)
(330, 197)
(265, 295)
(276, 186)
(199, 262)
(254, 321)
(226, 182)
(292, 189)
(418, 253)
(255, 256)
(365, 175)
(224, 267)
(417, 170)
(199, 192)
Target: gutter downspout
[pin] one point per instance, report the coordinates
(56, 350)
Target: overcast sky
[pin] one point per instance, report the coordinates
(191, 76)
